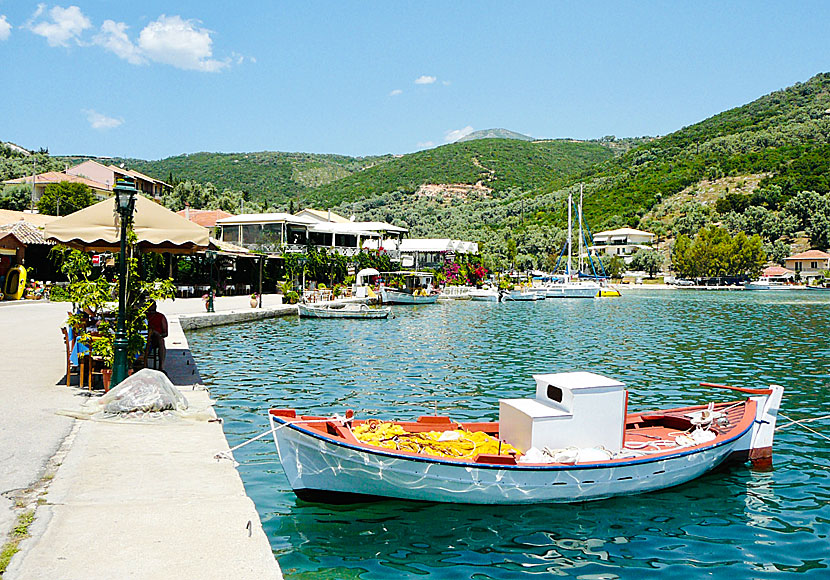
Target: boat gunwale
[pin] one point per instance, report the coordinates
(741, 429)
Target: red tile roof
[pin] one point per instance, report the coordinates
(57, 177)
(205, 217)
(810, 255)
(777, 272)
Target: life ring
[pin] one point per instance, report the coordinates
(15, 283)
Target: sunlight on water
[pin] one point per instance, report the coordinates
(460, 358)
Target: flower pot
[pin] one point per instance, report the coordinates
(106, 375)
(254, 302)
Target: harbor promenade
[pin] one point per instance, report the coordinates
(119, 499)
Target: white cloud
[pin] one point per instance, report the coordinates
(179, 43)
(425, 80)
(396, 92)
(100, 121)
(63, 25)
(456, 134)
(113, 37)
(445, 83)
(425, 144)
(5, 28)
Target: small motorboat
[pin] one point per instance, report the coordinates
(575, 441)
(484, 294)
(342, 311)
(416, 289)
(521, 295)
(767, 283)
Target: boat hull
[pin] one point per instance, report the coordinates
(326, 470)
(517, 296)
(396, 297)
(359, 312)
(484, 295)
(572, 291)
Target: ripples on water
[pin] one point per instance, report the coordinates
(460, 358)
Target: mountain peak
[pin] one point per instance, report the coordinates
(496, 134)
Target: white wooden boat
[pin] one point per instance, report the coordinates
(342, 311)
(455, 293)
(522, 295)
(575, 442)
(764, 283)
(392, 296)
(484, 294)
(417, 289)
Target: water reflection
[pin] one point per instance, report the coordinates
(461, 358)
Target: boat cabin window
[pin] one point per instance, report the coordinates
(554, 393)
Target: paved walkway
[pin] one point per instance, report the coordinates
(128, 500)
(33, 354)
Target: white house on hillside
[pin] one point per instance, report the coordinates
(809, 264)
(622, 242)
(107, 174)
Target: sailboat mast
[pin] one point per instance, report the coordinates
(579, 233)
(570, 231)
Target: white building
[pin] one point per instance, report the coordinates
(622, 242)
(282, 232)
(433, 252)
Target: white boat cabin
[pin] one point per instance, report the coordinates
(578, 409)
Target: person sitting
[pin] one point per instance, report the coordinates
(156, 333)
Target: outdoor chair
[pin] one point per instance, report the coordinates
(70, 344)
(152, 355)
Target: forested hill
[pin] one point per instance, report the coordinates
(783, 135)
(268, 176)
(500, 165)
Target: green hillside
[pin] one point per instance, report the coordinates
(498, 164)
(784, 134)
(267, 176)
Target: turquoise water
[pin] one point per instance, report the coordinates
(460, 358)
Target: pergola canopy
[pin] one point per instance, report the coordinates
(158, 229)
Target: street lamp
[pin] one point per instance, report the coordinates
(125, 193)
(211, 258)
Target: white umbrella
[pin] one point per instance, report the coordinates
(365, 273)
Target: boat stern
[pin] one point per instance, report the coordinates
(763, 430)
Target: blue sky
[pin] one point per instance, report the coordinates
(154, 79)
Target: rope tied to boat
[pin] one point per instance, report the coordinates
(228, 454)
(801, 422)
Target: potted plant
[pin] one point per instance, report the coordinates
(254, 300)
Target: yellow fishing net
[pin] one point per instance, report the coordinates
(458, 443)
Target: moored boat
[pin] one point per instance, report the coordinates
(764, 283)
(574, 442)
(455, 293)
(416, 289)
(484, 294)
(521, 295)
(342, 311)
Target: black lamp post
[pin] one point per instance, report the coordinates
(125, 193)
(211, 258)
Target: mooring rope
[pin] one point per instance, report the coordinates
(801, 422)
(227, 454)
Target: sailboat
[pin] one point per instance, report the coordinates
(570, 286)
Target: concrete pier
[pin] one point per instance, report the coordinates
(120, 500)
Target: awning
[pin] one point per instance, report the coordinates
(158, 229)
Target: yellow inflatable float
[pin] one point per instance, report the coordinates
(15, 283)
